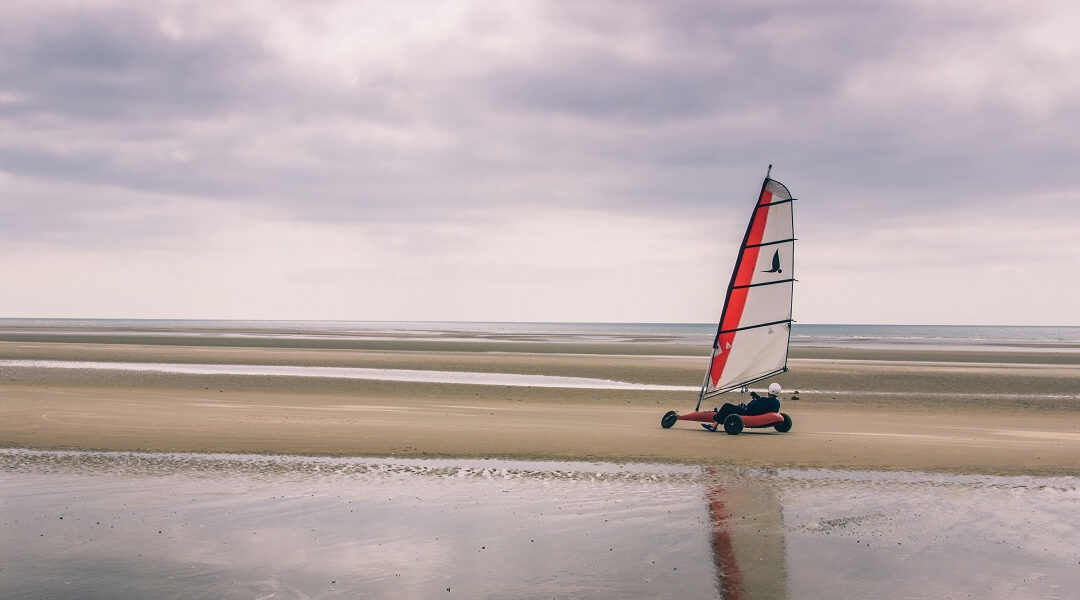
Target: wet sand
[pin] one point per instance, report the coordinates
(90, 525)
(891, 409)
(137, 525)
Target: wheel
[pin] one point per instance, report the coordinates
(785, 426)
(669, 419)
(733, 424)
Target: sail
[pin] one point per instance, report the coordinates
(751, 342)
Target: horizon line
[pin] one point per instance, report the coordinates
(458, 321)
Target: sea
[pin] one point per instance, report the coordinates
(877, 336)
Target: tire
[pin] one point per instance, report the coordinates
(733, 424)
(669, 419)
(785, 426)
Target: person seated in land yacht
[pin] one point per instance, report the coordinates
(758, 405)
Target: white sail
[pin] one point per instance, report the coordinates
(751, 342)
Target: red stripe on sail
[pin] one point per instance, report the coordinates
(737, 300)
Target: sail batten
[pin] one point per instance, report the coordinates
(770, 243)
(750, 285)
(752, 336)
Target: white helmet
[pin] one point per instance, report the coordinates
(774, 389)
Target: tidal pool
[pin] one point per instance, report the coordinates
(129, 525)
(412, 375)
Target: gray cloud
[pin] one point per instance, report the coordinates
(670, 108)
(116, 64)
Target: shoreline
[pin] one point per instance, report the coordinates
(929, 410)
(511, 343)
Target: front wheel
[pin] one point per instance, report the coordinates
(785, 426)
(669, 419)
(733, 425)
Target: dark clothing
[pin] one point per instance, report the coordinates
(759, 405)
(729, 409)
(762, 404)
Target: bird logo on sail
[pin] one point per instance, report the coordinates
(775, 264)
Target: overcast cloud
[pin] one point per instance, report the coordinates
(587, 161)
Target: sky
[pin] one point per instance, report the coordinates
(536, 161)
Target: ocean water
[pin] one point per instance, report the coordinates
(688, 334)
(937, 336)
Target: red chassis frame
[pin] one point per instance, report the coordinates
(733, 424)
(765, 420)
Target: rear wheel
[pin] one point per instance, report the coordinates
(669, 419)
(785, 426)
(733, 424)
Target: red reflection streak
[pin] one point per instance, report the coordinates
(728, 576)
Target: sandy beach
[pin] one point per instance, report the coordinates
(892, 409)
(543, 469)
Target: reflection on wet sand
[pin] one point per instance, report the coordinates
(747, 538)
(407, 375)
(119, 525)
(115, 525)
